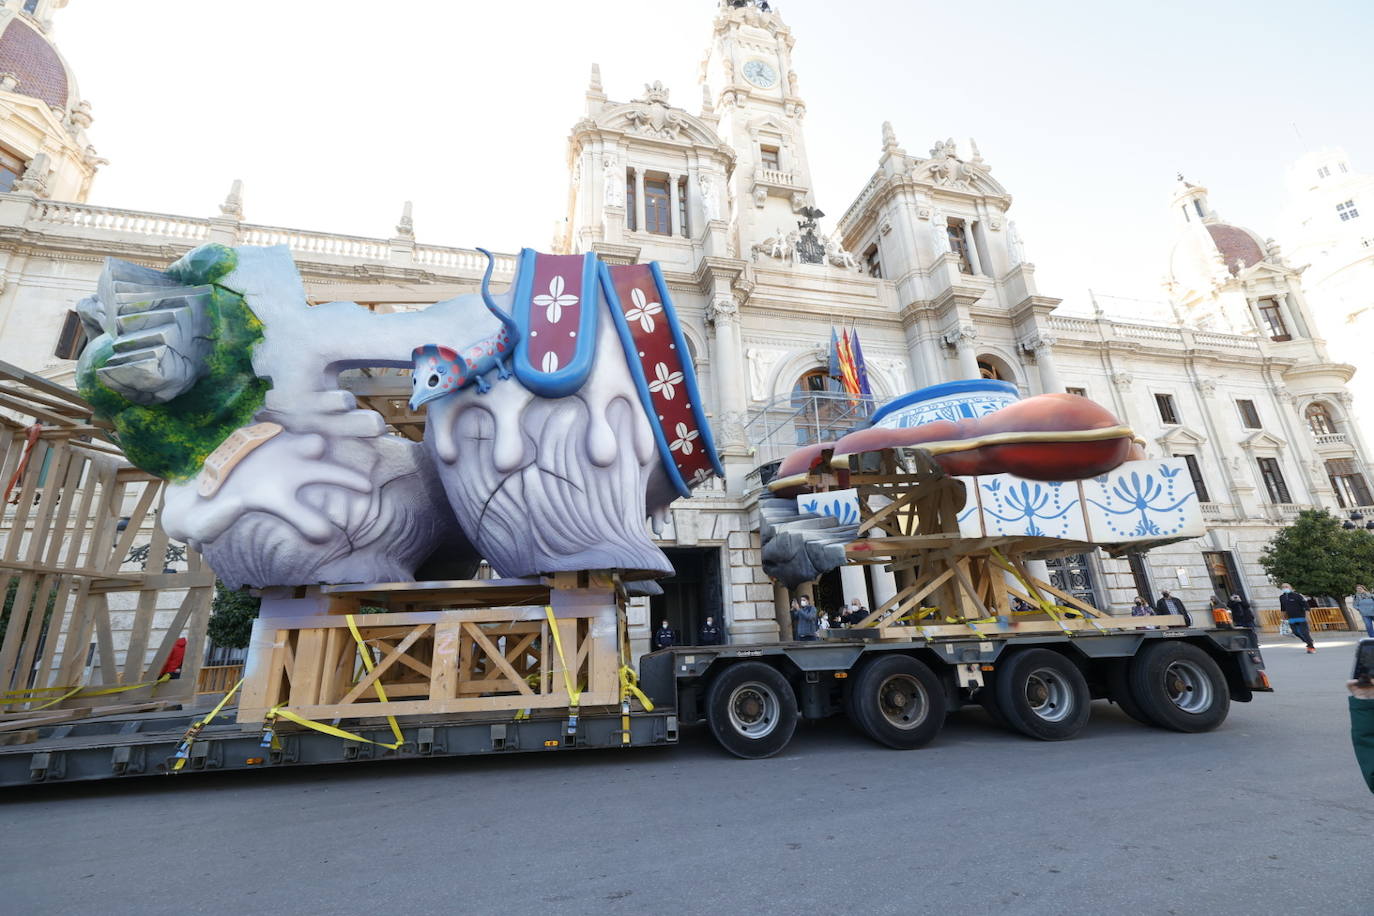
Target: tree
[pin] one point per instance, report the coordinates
(231, 617)
(1319, 557)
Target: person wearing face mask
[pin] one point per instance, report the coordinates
(1364, 603)
(1294, 608)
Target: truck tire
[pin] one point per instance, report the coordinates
(1043, 695)
(1179, 686)
(898, 701)
(752, 710)
(1119, 691)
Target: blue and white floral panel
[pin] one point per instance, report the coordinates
(953, 407)
(838, 504)
(1143, 501)
(1012, 506)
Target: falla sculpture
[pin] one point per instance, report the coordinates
(563, 413)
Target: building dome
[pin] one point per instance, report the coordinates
(40, 70)
(1236, 245)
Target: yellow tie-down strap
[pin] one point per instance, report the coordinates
(184, 749)
(79, 692)
(568, 681)
(629, 684)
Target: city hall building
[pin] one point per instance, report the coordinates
(922, 258)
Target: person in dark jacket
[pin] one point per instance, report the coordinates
(1294, 608)
(1242, 615)
(1168, 604)
(664, 637)
(711, 634)
(854, 614)
(1362, 728)
(1364, 603)
(804, 621)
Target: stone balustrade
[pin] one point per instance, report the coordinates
(1330, 439)
(316, 243)
(107, 225)
(86, 218)
(775, 176)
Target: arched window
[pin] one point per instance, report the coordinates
(1319, 420)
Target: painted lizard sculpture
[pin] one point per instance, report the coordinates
(440, 370)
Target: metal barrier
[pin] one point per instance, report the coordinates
(217, 678)
(1318, 619)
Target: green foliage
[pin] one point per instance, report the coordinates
(12, 592)
(1319, 557)
(173, 440)
(231, 617)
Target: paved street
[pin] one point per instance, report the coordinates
(1266, 815)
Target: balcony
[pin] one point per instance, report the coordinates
(1327, 442)
(803, 418)
(778, 183)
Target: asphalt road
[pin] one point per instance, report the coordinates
(1266, 815)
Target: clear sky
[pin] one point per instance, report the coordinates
(333, 112)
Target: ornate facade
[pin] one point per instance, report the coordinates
(925, 263)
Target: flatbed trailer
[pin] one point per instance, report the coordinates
(750, 696)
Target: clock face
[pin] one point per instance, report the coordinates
(761, 74)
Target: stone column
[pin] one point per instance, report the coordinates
(639, 198)
(884, 582)
(728, 370)
(973, 258)
(854, 584)
(965, 341)
(1043, 348)
(674, 204)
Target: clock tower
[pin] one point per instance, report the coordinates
(749, 80)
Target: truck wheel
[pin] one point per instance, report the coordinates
(1042, 694)
(1179, 686)
(1119, 690)
(898, 701)
(752, 710)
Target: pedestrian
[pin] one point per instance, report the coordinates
(711, 634)
(1364, 603)
(1294, 609)
(1019, 606)
(664, 636)
(857, 612)
(804, 623)
(1362, 727)
(823, 621)
(1141, 608)
(1242, 615)
(1168, 604)
(175, 658)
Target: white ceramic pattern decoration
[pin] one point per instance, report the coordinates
(838, 504)
(953, 406)
(1139, 501)
(1143, 500)
(1013, 507)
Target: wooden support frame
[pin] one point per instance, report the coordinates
(63, 548)
(465, 660)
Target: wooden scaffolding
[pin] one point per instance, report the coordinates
(949, 584)
(82, 628)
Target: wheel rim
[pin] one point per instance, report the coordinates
(1188, 687)
(903, 702)
(1048, 696)
(754, 710)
